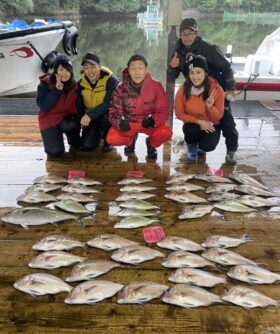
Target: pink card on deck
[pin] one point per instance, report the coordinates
(135, 173)
(76, 173)
(153, 234)
(218, 172)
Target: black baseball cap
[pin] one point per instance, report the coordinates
(189, 23)
(90, 57)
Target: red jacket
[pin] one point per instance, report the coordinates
(125, 102)
(193, 109)
(54, 104)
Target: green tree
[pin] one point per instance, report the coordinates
(16, 7)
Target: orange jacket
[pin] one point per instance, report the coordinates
(193, 109)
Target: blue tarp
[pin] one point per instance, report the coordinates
(18, 24)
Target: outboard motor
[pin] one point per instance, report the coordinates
(69, 41)
(48, 61)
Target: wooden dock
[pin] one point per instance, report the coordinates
(22, 159)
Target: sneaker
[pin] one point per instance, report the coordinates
(231, 158)
(201, 153)
(107, 148)
(192, 152)
(131, 148)
(151, 151)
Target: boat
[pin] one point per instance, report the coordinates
(28, 51)
(257, 76)
(152, 16)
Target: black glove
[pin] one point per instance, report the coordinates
(124, 125)
(148, 122)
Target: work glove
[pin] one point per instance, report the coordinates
(124, 125)
(148, 122)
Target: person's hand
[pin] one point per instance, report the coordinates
(85, 120)
(59, 85)
(211, 99)
(175, 62)
(206, 126)
(148, 122)
(124, 125)
(230, 95)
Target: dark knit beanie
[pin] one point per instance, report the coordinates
(197, 61)
(62, 59)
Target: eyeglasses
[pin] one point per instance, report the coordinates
(187, 34)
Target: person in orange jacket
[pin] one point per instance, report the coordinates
(199, 103)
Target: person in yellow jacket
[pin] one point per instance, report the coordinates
(96, 86)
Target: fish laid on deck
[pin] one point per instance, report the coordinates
(189, 296)
(92, 292)
(220, 188)
(79, 188)
(50, 179)
(221, 196)
(109, 242)
(225, 257)
(138, 204)
(134, 195)
(252, 190)
(140, 292)
(184, 187)
(71, 206)
(57, 242)
(248, 298)
(212, 178)
(77, 197)
(233, 206)
(178, 243)
(246, 179)
(195, 211)
(35, 197)
(179, 178)
(135, 222)
(136, 188)
(136, 212)
(135, 254)
(86, 181)
(45, 187)
(185, 197)
(183, 259)
(134, 180)
(221, 241)
(39, 284)
(257, 201)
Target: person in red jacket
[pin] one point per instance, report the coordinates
(59, 105)
(199, 103)
(139, 105)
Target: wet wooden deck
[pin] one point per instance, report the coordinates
(22, 159)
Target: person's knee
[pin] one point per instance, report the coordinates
(55, 153)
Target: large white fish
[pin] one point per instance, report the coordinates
(185, 197)
(79, 188)
(71, 206)
(179, 178)
(212, 178)
(189, 296)
(139, 292)
(109, 242)
(57, 242)
(253, 274)
(195, 277)
(252, 190)
(179, 243)
(183, 259)
(39, 284)
(222, 241)
(36, 197)
(233, 206)
(195, 211)
(136, 188)
(225, 257)
(246, 179)
(184, 187)
(138, 204)
(45, 187)
(86, 181)
(257, 201)
(135, 222)
(134, 180)
(35, 216)
(220, 188)
(90, 269)
(92, 292)
(136, 212)
(248, 298)
(54, 259)
(50, 179)
(135, 254)
(136, 195)
(221, 196)
(77, 197)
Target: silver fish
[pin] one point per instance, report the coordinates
(248, 298)
(135, 222)
(195, 277)
(36, 197)
(256, 201)
(179, 178)
(184, 187)
(225, 257)
(77, 197)
(246, 179)
(185, 197)
(189, 296)
(90, 269)
(71, 206)
(136, 212)
(86, 181)
(136, 188)
(45, 187)
(53, 179)
(253, 274)
(54, 259)
(139, 292)
(134, 180)
(57, 242)
(135, 254)
(79, 188)
(92, 292)
(195, 211)
(39, 284)
(212, 178)
(35, 216)
(138, 204)
(233, 206)
(221, 241)
(178, 243)
(136, 195)
(220, 188)
(252, 190)
(109, 242)
(183, 259)
(221, 196)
